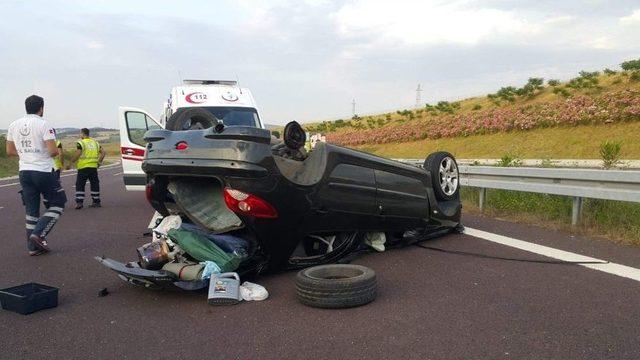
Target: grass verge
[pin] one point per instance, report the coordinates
(614, 220)
(8, 166)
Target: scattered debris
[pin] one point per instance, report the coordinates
(253, 292)
(28, 298)
(376, 240)
(224, 289)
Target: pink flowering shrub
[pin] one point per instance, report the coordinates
(611, 107)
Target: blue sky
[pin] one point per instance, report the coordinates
(304, 60)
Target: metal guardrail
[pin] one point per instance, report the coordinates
(619, 185)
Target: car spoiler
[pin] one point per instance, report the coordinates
(245, 133)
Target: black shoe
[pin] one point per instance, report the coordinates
(78, 206)
(40, 242)
(95, 205)
(37, 252)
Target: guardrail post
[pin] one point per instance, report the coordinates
(576, 211)
(483, 197)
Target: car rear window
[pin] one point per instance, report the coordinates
(239, 116)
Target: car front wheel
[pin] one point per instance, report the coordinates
(445, 177)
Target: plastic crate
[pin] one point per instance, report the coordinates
(28, 298)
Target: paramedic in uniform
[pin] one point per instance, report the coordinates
(89, 155)
(33, 140)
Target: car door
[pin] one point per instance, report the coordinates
(401, 195)
(134, 123)
(346, 200)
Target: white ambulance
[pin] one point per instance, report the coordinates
(188, 107)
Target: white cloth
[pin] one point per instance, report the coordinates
(168, 223)
(29, 134)
(376, 240)
(253, 292)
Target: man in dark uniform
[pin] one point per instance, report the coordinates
(33, 140)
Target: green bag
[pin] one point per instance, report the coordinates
(202, 249)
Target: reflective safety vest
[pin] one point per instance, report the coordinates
(90, 154)
(57, 163)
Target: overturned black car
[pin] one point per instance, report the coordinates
(295, 209)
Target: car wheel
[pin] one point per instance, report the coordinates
(336, 286)
(445, 177)
(191, 119)
(294, 135)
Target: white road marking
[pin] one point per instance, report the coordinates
(611, 268)
(118, 173)
(110, 165)
(11, 184)
(1, 207)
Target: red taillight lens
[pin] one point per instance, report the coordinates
(182, 145)
(148, 191)
(247, 204)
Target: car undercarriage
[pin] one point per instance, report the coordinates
(293, 208)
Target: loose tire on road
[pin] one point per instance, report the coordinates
(191, 119)
(446, 185)
(336, 286)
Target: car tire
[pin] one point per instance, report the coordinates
(336, 286)
(294, 135)
(191, 119)
(446, 184)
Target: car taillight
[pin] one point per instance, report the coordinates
(242, 203)
(182, 145)
(148, 191)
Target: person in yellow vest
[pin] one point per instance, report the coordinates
(58, 161)
(89, 155)
(58, 165)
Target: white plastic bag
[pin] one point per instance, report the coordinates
(155, 220)
(168, 223)
(376, 240)
(250, 291)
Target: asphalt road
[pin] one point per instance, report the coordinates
(431, 305)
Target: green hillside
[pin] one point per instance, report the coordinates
(540, 119)
(544, 120)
